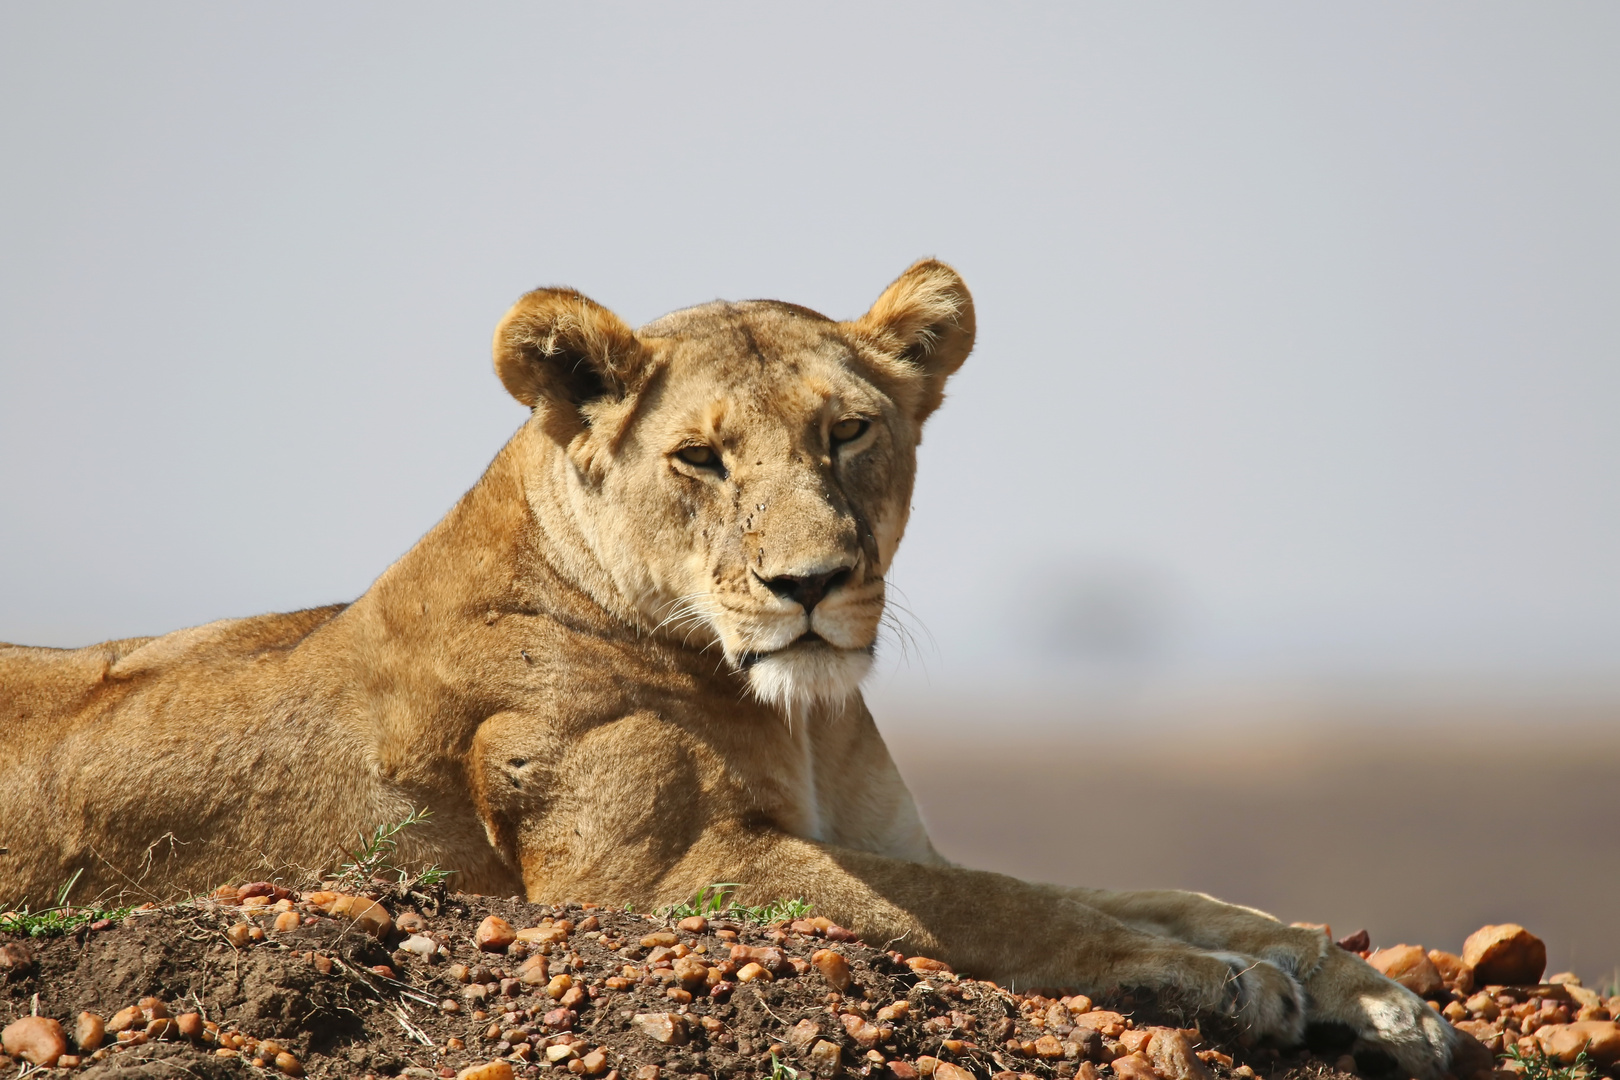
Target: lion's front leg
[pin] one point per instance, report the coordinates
(983, 924)
(1340, 987)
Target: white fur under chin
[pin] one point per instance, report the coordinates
(796, 679)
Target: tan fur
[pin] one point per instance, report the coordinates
(598, 674)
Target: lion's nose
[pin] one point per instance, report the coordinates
(809, 590)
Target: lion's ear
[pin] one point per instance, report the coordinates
(924, 319)
(559, 348)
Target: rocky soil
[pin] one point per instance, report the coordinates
(260, 981)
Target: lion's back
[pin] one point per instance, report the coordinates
(45, 692)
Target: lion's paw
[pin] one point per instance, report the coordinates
(1268, 1001)
(1385, 1016)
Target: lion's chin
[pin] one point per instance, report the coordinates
(807, 674)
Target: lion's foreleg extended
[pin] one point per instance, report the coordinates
(1208, 923)
(989, 925)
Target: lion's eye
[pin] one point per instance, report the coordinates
(849, 430)
(703, 457)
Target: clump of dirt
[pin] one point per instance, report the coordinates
(430, 984)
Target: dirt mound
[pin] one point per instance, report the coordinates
(429, 984)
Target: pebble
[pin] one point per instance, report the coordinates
(1105, 1022)
(555, 934)
(1173, 1058)
(490, 1070)
(411, 923)
(367, 915)
(89, 1031)
(804, 1033)
(1410, 966)
(15, 959)
(1134, 1067)
(239, 935)
(1506, 955)
(693, 924)
(1454, 973)
(38, 1040)
(289, 1064)
(691, 972)
(667, 1028)
(902, 1070)
(770, 958)
(1135, 1042)
(1599, 1038)
(752, 972)
(288, 920)
(924, 965)
(269, 890)
(124, 1019)
(834, 968)
(865, 1033)
(494, 934)
(420, 945)
(1048, 1047)
(1086, 1042)
(826, 1057)
(661, 937)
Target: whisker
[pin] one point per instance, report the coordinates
(901, 620)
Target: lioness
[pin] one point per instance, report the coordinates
(624, 667)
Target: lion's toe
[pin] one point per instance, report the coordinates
(1268, 1001)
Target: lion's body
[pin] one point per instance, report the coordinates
(623, 668)
(271, 741)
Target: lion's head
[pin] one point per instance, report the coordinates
(737, 475)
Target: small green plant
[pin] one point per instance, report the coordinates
(375, 855)
(779, 1071)
(716, 901)
(1538, 1066)
(60, 918)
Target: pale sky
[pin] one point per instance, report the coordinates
(1300, 323)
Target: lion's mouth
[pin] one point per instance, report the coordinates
(809, 637)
